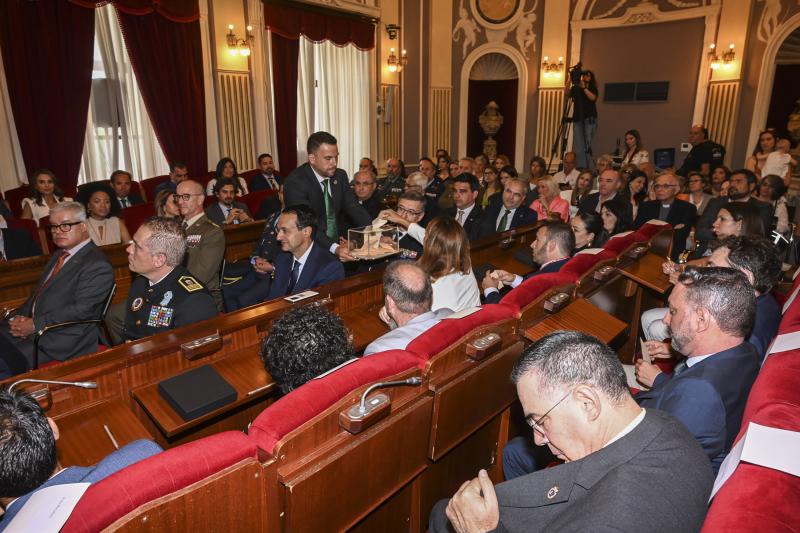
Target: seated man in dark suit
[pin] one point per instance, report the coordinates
(466, 212)
(165, 295)
(177, 173)
(608, 184)
(304, 343)
(365, 188)
(510, 213)
(681, 215)
(304, 263)
(325, 189)
(711, 312)
(17, 244)
(267, 179)
(227, 210)
(575, 398)
(28, 459)
(121, 183)
(552, 248)
(74, 285)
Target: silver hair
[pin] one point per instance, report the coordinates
(167, 237)
(76, 208)
(418, 179)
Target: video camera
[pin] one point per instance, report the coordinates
(576, 72)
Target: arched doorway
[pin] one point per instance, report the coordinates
(785, 90)
(493, 78)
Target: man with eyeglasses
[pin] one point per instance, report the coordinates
(177, 173)
(510, 213)
(409, 215)
(74, 286)
(574, 396)
(680, 214)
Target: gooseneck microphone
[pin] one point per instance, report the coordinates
(81, 384)
(362, 406)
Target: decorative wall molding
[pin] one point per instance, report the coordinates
(235, 117)
(439, 118)
(649, 13)
(362, 7)
(390, 125)
(720, 113)
(551, 107)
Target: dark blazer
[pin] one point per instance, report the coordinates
(133, 199)
(589, 203)
(523, 216)
(259, 182)
(165, 185)
(709, 398)
(302, 188)
(704, 233)
(679, 213)
(768, 318)
(495, 297)
(77, 292)
(321, 267)
(372, 204)
(658, 461)
(473, 222)
(18, 244)
(215, 214)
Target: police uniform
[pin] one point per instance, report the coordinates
(177, 300)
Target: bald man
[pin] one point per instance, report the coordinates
(407, 302)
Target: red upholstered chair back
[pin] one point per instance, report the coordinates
(46, 236)
(621, 242)
(149, 186)
(27, 225)
(583, 263)
(253, 200)
(306, 402)
(155, 477)
(449, 331)
(649, 229)
(135, 215)
(532, 288)
(209, 200)
(205, 178)
(248, 174)
(14, 198)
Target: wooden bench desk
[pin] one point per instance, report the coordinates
(647, 271)
(580, 315)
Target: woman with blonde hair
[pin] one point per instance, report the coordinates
(446, 259)
(550, 205)
(167, 204)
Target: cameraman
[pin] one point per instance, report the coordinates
(584, 115)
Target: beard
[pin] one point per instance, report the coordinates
(679, 339)
(736, 195)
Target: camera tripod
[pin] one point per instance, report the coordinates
(562, 135)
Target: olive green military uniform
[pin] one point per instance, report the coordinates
(205, 249)
(177, 300)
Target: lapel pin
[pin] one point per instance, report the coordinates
(552, 492)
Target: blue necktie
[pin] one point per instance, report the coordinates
(295, 276)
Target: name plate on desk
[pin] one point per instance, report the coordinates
(197, 392)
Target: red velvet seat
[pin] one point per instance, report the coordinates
(14, 198)
(621, 242)
(155, 477)
(136, 214)
(581, 263)
(532, 288)
(648, 230)
(149, 186)
(306, 402)
(27, 225)
(253, 200)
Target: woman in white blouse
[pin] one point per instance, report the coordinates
(634, 153)
(104, 226)
(226, 168)
(445, 257)
(44, 194)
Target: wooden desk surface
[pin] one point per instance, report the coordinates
(580, 315)
(647, 271)
(83, 437)
(245, 373)
(365, 324)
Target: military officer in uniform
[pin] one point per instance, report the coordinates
(165, 295)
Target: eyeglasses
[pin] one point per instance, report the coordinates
(536, 425)
(663, 186)
(185, 197)
(401, 209)
(64, 227)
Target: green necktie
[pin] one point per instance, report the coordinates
(330, 217)
(503, 221)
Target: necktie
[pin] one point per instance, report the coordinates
(295, 276)
(503, 221)
(124, 202)
(330, 217)
(272, 183)
(680, 367)
(59, 263)
(460, 217)
(185, 225)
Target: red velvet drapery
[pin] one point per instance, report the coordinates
(287, 24)
(47, 56)
(174, 10)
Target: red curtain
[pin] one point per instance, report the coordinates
(47, 51)
(291, 22)
(174, 10)
(285, 53)
(167, 59)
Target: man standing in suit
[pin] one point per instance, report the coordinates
(711, 312)
(607, 187)
(324, 188)
(510, 213)
(666, 207)
(227, 210)
(575, 398)
(267, 180)
(365, 188)
(17, 244)
(29, 459)
(465, 211)
(74, 285)
(121, 183)
(305, 263)
(552, 248)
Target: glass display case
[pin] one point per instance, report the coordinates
(373, 242)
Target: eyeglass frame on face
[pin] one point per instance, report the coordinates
(536, 425)
(60, 227)
(186, 196)
(664, 186)
(401, 209)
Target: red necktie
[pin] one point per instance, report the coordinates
(59, 263)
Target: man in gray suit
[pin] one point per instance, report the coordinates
(74, 285)
(625, 468)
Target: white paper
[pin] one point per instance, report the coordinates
(48, 509)
(590, 251)
(300, 296)
(645, 352)
(656, 222)
(621, 234)
(334, 369)
(785, 342)
(461, 314)
(763, 446)
(796, 272)
(791, 299)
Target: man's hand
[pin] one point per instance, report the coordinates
(21, 326)
(262, 266)
(658, 349)
(489, 282)
(646, 372)
(504, 276)
(394, 218)
(243, 216)
(474, 507)
(384, 316)
(343, 253)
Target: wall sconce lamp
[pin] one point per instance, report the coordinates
(725, 62)
(552, 69)
(395, 63)
(238, 46)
